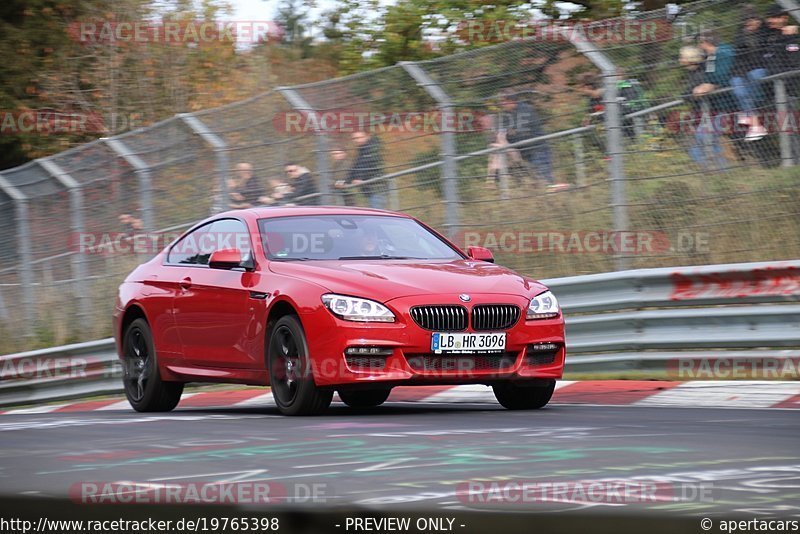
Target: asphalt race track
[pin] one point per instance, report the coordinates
(404, 455)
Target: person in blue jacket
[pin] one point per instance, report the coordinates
(716, 74)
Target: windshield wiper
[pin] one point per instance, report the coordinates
(381, 257)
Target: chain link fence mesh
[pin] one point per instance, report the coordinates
(548, 207)
(706, 180)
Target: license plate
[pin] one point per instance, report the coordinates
(458, 342)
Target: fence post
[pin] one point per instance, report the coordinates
(787, 141)
(502, 158)
(143, 174)
(614, 144)
(449, 152)
(77, 260)
(220, 148)
(3, 309)
(707, 125)
(299, 103)
(25, 254)
(580, 163)
(781, 100)
(782, 107)
(323, 169)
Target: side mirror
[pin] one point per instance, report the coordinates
(229, 258)
(480, 254)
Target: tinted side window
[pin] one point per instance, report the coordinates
(196, 247)
(231, 233)
(191, 249)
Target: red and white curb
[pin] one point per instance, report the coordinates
(707, 394)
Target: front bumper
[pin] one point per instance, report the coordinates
(534, 349)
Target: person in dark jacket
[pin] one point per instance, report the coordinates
(301, 184)
(339, 171)
(748, 70)
(783, 46)
(367, 165)
(521, 121)
(246, 191)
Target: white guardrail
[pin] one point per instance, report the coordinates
(627, 320)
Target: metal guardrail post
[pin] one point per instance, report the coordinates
(449, 152)
(614, 143)
(323, 168)
(77, 261)
(25, 254)
(220, 148)
(784, 135)
(143, 174)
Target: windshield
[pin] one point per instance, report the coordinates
(351, 237)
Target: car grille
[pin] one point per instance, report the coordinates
(494, 316)
(440, 318)
(462, 362)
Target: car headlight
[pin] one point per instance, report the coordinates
(356, 309)
(544, 306)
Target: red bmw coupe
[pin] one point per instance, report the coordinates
(312, 300)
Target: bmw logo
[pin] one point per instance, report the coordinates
(464, 297)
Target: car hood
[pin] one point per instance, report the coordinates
(385, 280)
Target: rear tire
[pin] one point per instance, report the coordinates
(367, 398)
(144, 388)
(523, 397)
(290, 375)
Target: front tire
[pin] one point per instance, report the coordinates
(144, 388)
(523, 397)
(290, 375)
(367, 398)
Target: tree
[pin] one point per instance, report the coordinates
(293, 17)
(69, 57)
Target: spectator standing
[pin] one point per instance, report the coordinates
(245, 191)
(301, 184)
(130, 224)
(590, 84)
(367, 165)
(748, 71)
(131, 227)
(783, 45)
(518, 122)
(339, 172)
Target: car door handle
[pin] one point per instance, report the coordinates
(185, 284)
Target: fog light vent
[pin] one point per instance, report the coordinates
(542, 353)
(367, 358)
